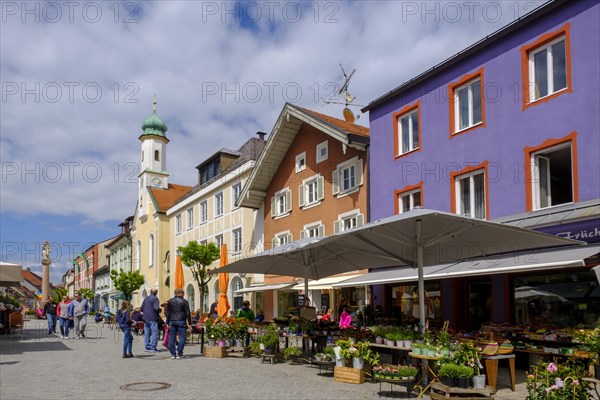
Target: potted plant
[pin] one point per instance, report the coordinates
(589, 340)
(270, 340)
(464, 374)
(292, 353)
(409, 337)
(448, 373)
(407, 372)
(558, 381)
(417, 348)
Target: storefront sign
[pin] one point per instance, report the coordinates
(586, 231)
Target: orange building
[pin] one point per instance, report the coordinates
(310, 181)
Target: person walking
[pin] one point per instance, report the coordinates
(150, 312)
(179, 319)
(79, 310)
(50, 314)
(124, 321)
(63, 316)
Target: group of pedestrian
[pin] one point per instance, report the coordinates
(178, 321)
(69, 313)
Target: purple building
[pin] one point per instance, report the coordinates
(506, 130)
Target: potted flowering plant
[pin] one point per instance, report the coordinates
(386, 372)
(357, 353)
(589, 340)
(407, 372)
(557, 381)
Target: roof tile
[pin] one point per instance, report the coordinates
(165, 198)
(338, 123)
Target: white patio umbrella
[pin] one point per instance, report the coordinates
(526, 292)
(311, 258)
(10, 274)
(424, 237)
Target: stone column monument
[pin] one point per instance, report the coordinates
(45, 272)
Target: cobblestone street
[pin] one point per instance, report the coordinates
(44, 367)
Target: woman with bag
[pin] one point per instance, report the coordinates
(124, 321)
(63, 317)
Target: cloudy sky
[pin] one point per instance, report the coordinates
(78, 79)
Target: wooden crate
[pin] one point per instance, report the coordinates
(440, 391)
(349, 375)
(215, 351)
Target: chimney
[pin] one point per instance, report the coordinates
(261, 135)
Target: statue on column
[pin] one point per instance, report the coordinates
(45, 272)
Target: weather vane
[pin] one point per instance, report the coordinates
(348, 99)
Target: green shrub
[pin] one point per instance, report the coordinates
(291, 352)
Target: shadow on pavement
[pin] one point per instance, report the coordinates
(16, 347)
(9, 362)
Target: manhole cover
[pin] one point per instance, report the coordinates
(145, 386)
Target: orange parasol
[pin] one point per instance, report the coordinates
(178, 273)
(223, 303)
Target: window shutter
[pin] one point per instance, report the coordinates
(360, 220)
(289, 237)
(274, 242)
(335, 182)
(301, 195)
(336, 226)
(321, 230)
(288, 201)
(302, 233)
(320, 188)
(359, 172)
(273, 206)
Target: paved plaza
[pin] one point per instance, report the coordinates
(42, 366)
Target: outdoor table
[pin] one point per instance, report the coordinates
(491, 368)
(322, 364)
(427, 373)
(396, 382)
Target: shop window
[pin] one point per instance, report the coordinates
(560, 299)
(404, 303)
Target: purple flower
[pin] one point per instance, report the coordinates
(552, 367)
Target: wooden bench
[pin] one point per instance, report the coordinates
(440, 391)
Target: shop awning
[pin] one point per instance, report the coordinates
(264, 288)
(10, 274)
(515, 262)
(325, 283)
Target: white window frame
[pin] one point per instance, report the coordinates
(151, 250)
(301, 157)
(282, 238)
(536, 178)
(411, 133)
(320, 158)
(236, 239)
(311, 191)
(190, 218)
(471, 122)
(219, 241)
(313, 230)
(178, 224)
(458, 193)
(281, 203)
(336, 180)
(339, 225)
(549, 69)
(411, 196)
(236, 190)
(204, 212)
(219, 204)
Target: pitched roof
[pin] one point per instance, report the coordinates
(165, 198)
(284, 132)
(338, 123)
(31, 278)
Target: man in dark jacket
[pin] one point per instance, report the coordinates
(150, 309)
(50, 314)
(179, 320)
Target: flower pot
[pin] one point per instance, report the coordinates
(389, 342)
(446, 380)
(479, 381)
(408, 344)
(340, 362)
(358, 363)
(416, 350)
(399, 343)
(444, 352)
(379, 340)
(462, 383)
(431, 352)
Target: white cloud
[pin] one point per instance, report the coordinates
(171, 52)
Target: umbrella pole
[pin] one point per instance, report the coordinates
(420, 275)
(305, 285)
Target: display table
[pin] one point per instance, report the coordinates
(443, 392)
(322, 364)
(392, 382)
(393, 349)
(428, 375)
(491, 368)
